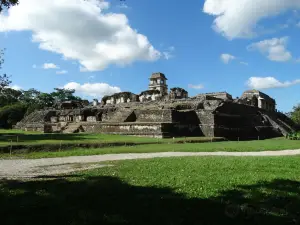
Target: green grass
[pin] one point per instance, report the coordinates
(30, 138)
(188, 190)
(229, 146)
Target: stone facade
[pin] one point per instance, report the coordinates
(258, 99)
(215, 95)
(178, 93)
(122, 97)
(158, 81)
(155, 114)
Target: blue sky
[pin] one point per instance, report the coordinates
(202, 46)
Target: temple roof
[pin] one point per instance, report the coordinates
(158, 75)
(259, 93)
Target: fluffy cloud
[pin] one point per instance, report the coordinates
(269, 82)
(62, 72)
(226, 58)
(274, 49)
(239, 18)
(93, 89)
(96, 39)
(47, 66)
(16, 87)
(198, 86)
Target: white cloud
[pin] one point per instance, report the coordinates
(244, 63)
(16, 87)
(47, 66)
(93, 89)
(169, 53)
(269, 82)
(198, 86)
(298, 25)
(226, 58)
(274, 49)
(240, 18)
(297, 60)
(62, 72)
(96, 40)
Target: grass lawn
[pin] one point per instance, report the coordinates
(149, 144)
(31, 138)
(188, 190)
(229, 146)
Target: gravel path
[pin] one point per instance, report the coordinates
(22, 168)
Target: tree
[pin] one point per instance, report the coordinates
(35, 100)
(62, 94)
(9, 96)
(7, 4)
(45, 100)
(11, 114)
(30, 96)
(4, 79)
(295, 114)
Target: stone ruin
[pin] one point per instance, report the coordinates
(159, 113)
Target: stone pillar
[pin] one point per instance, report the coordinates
(260, 103)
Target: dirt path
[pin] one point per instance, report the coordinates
(21, 168)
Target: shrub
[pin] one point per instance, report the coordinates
(11, 114)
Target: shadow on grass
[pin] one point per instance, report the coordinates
(41, 137)
(108, 200)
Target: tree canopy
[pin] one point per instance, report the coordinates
(7, 4)
(295, 114)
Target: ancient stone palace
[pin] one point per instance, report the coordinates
(160, 112)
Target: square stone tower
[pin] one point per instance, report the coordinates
(158, 81)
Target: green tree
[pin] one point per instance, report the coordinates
(35, 100)
(62, 94)
(9, 96)
(11, 114)
(30, 96)
(4, 79)
(45, 100)
(295, 114)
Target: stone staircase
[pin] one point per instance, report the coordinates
(123, 115)
(37, 117)
(279, 124)
(286, 126)
(72, 128)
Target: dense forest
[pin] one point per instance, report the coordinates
(15, 104)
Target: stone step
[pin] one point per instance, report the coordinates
(73, 128)
(122, 115)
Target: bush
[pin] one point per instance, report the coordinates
(11, 114)
(293, 136)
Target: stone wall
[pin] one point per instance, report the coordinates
(159, 115)
(185, 117)
(144, 129)
(35, 127)
(237, 121)
(207, 122)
